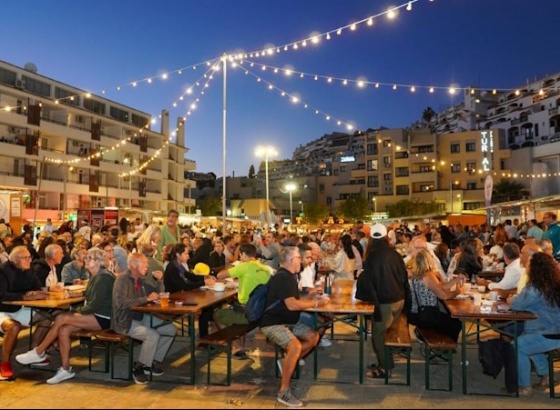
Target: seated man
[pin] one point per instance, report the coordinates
(512, 274)
(18, 282)
(250, 273)
(131, 289)
(280, 323)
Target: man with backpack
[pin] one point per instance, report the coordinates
(280, 322)
(250, 273)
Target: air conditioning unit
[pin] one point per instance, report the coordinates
(20, 84)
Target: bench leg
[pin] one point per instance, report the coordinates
(427, 366)
(388, 351)
(551, 374)
(228, 377)
(408, 351)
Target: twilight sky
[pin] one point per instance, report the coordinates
(103, 44)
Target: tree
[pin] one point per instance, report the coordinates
(210, 206)
(354, 208)
(252, 171)
(315, 213)
(506, 190)
(428, 114)
(412, 208)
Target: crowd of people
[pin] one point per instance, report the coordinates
(397, 269)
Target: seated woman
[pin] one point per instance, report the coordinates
(427, 288)
(178, 277)
(470, 262)
(540, 296)
(217, 257)
(344, 261)
(95, 314)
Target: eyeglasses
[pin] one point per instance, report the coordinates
(89, 258)
(27, 258)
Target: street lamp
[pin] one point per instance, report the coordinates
(301, 203)
(266, 152)
(374, 200)
(290, 187)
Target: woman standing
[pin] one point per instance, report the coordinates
(95, 314)
(540, 296)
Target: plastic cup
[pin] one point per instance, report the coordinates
(477, 297)
(164, 299)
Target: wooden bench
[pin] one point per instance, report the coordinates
(440, 344)
(397, 340)
(222, 341)
(111, 341)
(550, 355)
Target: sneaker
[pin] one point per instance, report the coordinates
(31, 357)
(44, 363)
(324, 342)
(6, 372)
(279, 363)
(139, 376)
(154, 370)
(61, 375)
(287, 397)
(525, 392)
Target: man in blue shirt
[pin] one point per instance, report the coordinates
(552, 232)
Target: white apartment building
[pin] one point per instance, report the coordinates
(64, 149)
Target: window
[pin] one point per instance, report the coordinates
(94, 106)
(387, 161)
(386, 143)
(335, 172)
(456, 168)
(471, 185)
(67, 97)
(402, 189)
(387, 177)
(373, 181)
(372, 148)
(139, 121)
(36, 86)
(9, 77)
(373, 165)
(470, 146)
(401, 172)
(343, 168)
(455, 148)
(118, 114)
(471, 167)
(321, 187)
(329, 200)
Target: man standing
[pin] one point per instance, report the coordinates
(280, 323)
(552, 233)
(384, 282)
(534, 230)
(170, 233)
(131, 290)
(18, 282)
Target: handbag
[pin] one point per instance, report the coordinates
(427, 316)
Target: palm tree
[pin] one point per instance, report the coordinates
(506, 190)
(428, 114)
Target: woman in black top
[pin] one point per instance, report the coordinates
(470, 261)
(217, 257)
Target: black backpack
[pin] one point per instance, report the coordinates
(256, 305)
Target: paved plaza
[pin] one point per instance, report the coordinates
(255, 385)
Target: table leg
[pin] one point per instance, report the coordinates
(315, 353)
(515, 322)
(193, 349)
(361, 355)
(464, 354)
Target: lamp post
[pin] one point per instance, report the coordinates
(266, 152)
(301, 203)
(290, 187)
(374, 200)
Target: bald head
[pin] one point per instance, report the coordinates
(527, 251)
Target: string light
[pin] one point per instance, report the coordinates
(295, 99)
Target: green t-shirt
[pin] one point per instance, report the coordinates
(250, 275)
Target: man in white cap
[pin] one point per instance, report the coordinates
(384, 282)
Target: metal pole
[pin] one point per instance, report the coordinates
(451, 194)
(41, 163)
(291, 212)
(224, 123)
(267, 194)
(63, 217)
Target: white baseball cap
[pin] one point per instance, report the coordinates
(378, 231)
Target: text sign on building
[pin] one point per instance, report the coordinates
(487, 149)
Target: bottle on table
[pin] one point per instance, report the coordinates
(327, 290)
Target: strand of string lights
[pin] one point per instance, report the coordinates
(297, 100)
(361, 82)
(316, 38)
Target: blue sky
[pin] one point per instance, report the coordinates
(99, 45)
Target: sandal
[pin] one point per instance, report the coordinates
(376, 373)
